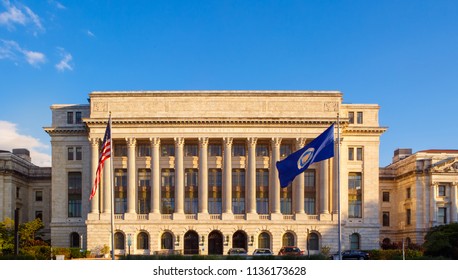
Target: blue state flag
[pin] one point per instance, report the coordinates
(319, 149)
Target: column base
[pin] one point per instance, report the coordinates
(130, 216)
(93, 216)
(325, 217)
(105, 216)
(203, 216)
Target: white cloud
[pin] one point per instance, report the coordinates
(90, 34)
(11, 50)
(19, 15)
(12, 139)
(57, 4)
(65, 62)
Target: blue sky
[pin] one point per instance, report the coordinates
(401, 55)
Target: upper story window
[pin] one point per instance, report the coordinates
(238, 150)
(359, 117)
(38, 195)
(191, 150)
(74, 118)
(74, 153)
(408, 193)
(120, 149)
(262, 150)
(167, 149)
(215, 150)
(285, 150)
(441, 190)
(351, 117)
(144, 150)
(386, 196)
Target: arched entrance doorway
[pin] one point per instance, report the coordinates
(191, 243)
(215, 243)
(239, 240)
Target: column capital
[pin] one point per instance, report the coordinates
(155, 141)
(228, 141)
(94, 141)
(131, 141)
(203, 141)
(300, 142)
(276, 141)
(252, 141)
(179, 141)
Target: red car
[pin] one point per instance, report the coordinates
(290, 251)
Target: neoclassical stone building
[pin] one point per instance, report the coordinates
(26, 188)
(418, 191)
(194, 171)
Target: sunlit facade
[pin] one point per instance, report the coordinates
(194, 172)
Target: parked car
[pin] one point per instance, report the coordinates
(290, 251)
(262, 252)
(236, 251)
(352, 255)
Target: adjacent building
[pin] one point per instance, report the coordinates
(418, 191)
(194, 172)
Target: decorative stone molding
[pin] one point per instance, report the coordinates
(179, 141)
(276, 142)
(155, 141)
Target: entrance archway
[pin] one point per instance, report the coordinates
(215, 243)
(239, 240)
(191, 243)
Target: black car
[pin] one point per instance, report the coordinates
(354, 255)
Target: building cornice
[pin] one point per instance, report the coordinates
(55, 131)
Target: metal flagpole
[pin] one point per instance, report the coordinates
(112, 190)
(339, 246)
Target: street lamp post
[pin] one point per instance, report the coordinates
(129, 241)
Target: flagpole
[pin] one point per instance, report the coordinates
(112, 190)
(339, 246)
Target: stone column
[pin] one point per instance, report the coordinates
(203, 176)
(179, 178)
(335, 186)
(324, 185)
(227, 178)
(107, 186)
(432, 206)
(94, 164)
(155, 178)
(275, 182)
(298, 187)
(131, 182)
(454, 201)
(251, 179)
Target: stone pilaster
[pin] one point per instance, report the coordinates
(275, 182)
(179, 178)
(298, 187)
(131, 182)
(251, 175)
(227, 179)
(155, 179)
(203, 177)
(94, 163)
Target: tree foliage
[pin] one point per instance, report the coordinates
(442, 241)
(27, 233)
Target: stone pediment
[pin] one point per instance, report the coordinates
(447, 165)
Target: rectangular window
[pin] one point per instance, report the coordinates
(120, 185)
(359, 153)
(351, 153)
(74, 194)
(359, 117)
(238, 150)
(285, 150)
(262, 191)
(168, 150)
(78, 119)
(167, 191)
(215, 150)
(408, 216)
(215, 184)
(69, 117)
(70, 153)
(441, 190)
(408, 193)
(144, 191)
(309, 192)
(120, 149)
(191, 150)
(386, 196)
(144, 150)
(38, 195)
(78, 153)
(191, 191)
(351, 117)
(442, 215)
(238, 191)
(355, 195)
(39, 215)
(262, 150)
(386, 219)
(286, 200)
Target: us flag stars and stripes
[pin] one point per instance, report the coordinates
(105, 154)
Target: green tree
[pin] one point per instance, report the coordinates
(27, 233)
(442, 241)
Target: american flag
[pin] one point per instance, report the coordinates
(105, 154)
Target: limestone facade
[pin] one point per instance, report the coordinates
(418, 191)
(194, 172)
